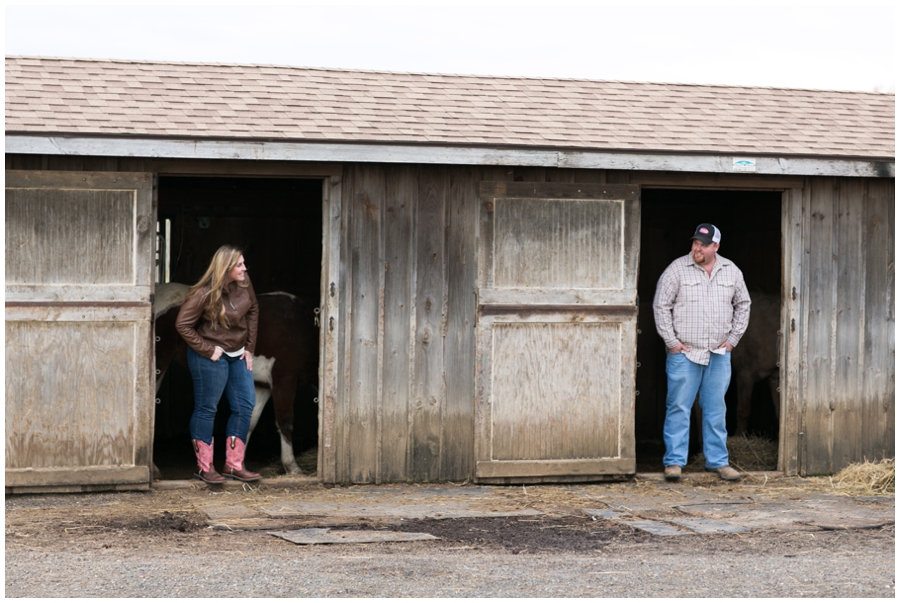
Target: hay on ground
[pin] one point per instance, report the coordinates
(308, 462)
(866, 478)
(745, 453)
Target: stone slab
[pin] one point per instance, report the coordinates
(657, 528)
(702, 525)
(604, 513)
(452, 510)
(793, 515)
(326, 536)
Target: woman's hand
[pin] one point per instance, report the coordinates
(248, 358)
(217, 353)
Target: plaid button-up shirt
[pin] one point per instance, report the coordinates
(702, 311)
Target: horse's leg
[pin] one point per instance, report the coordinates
(262, 374)
(284, 389)
(262, 396)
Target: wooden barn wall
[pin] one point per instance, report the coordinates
(847, 323)
(403, 409)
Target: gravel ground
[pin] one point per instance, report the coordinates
(158, 545)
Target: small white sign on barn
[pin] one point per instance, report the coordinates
(743, 164)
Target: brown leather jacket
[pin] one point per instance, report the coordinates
(203, 337)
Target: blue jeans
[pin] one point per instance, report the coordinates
(211, 379)
(685, 379)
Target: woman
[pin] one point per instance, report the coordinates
(219, 321)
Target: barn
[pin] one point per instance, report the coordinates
(482, 253)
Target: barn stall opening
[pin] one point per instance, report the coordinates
(750, 222)
(278, 223)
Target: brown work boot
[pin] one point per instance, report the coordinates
(673, 473)
(234, 462)
(727, 473)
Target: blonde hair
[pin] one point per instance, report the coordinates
(225, 258)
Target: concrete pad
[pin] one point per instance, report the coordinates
(326, 536)
(830, 513)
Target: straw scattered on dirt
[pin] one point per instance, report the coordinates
(867, 479)
(745, 453)
(308, 462)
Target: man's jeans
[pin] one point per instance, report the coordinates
(211, 379)
(685, 379)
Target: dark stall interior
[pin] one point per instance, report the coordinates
(278, 224)
(750, 222)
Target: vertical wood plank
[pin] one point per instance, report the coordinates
(428, 373)
(819, 391)
(793, 293)
(878, 344)
(399, 206)
(849, 322)
(365, 296)
(345, 332)
(458, 426)
(329, 338)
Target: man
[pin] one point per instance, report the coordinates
(701, 308)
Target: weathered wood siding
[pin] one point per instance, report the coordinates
(846, 322)
(398, 365)
(78, 350)
(403, 409)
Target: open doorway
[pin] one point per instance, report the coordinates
(750, 222)
(278, 224)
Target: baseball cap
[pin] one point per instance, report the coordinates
(707, 233)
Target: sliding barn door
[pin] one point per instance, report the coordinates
(557, 331)
(78, 335)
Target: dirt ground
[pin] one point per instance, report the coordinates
(163, 543)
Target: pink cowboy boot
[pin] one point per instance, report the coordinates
(205, 470)
(234, 462)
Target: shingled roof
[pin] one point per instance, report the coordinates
(57, 96)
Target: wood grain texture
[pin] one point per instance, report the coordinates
(78, 336)
(555, 391)
(330, 351)
(399, 299)
(70, 236)
(846, 355)
(556, 331)
(878, 348)
(364, 315)
(548, 244)
(71, 393)
(457, 424)
(430, 312)
(793, 293)
(820, 329)
(849, 320)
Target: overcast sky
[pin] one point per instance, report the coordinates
(753, 44)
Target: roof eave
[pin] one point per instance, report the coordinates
(424, 153)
